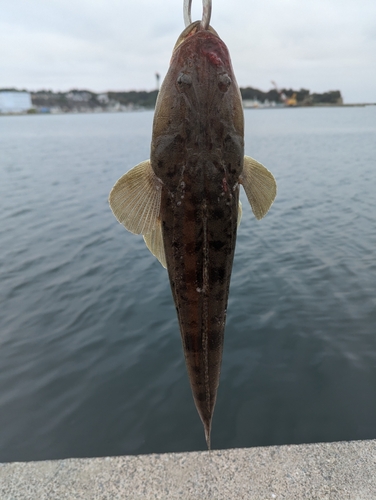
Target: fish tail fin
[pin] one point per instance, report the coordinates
(207, 428)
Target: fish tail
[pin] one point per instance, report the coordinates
(207, 427)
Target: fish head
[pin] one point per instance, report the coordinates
(199, 101)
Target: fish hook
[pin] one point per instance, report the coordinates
(206, 13)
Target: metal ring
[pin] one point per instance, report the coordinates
(206, 13)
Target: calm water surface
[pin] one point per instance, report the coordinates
(91, 361)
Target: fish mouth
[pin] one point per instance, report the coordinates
(191, 30)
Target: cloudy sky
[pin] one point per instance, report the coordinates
(119, 44)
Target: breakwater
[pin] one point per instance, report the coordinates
(324, 471)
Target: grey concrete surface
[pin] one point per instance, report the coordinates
(343, 470)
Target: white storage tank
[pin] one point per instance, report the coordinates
(14, 102)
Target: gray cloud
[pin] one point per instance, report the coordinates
(113, 44)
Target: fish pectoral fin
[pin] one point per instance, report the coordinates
(240, 212)
(260, 186)
(154, 242)
(135, 199)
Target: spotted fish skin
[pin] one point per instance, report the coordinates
(197, 152)
(185, 199)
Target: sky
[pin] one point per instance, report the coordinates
(104, 45)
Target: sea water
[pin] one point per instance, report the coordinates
(91, 362)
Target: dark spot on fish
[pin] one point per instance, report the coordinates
(192, 302)
(230, 145)
(217, 274)
(218, 213)
(196, 369)
(231, 169)
(219, 296)
(215, 342)
(196, 199)
(217, 245)
(190, 347)
(193, 326)
(201, 396)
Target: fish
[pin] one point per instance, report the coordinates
(184, 200)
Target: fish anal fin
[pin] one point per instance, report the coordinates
(259, 185)
(135, 199)
(154, 242)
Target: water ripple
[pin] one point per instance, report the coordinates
(90, 351)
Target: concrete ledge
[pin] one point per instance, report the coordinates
(344, 470)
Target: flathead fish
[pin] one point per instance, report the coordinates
(185, 199)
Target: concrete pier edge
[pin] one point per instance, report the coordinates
(341, 470)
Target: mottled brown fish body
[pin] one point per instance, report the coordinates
(197, 152)
(185, 199)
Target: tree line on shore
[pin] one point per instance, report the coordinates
(86, 100)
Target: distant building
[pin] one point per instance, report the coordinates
(14, 102)
(103, 98)
(78, 95)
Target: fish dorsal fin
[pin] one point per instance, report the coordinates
(135, 199)
(260, 186)
(154, 242)
(240, 212)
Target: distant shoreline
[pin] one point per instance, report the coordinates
(140, 110)
(85, 101)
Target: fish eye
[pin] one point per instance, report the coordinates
(224, 81)
(184, 79)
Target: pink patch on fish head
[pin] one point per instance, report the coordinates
(214, 58)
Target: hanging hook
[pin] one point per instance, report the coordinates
(206, 13)
(187, 12)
